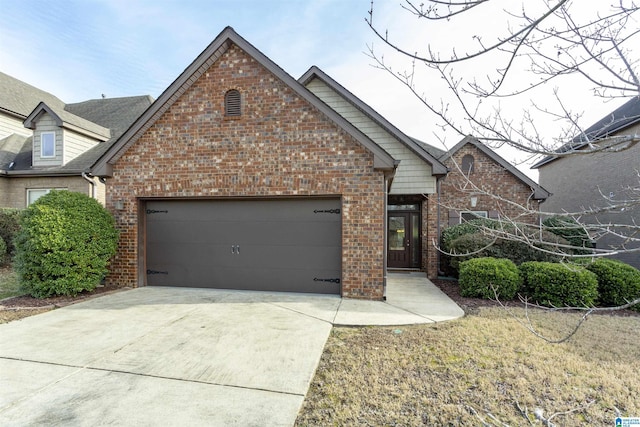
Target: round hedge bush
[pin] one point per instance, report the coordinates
(559, 285)
(489, 277)
(64, 245)
(618, 283)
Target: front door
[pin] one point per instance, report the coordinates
(403, 240)
(399, 253)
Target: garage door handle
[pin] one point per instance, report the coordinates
(235, 249)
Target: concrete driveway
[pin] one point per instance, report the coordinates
(164, 356)
(181, 356)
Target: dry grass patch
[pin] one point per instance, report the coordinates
(10, 315)
(487, 363)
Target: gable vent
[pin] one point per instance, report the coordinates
(232, 105)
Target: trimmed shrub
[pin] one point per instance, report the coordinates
(9, 226)
(488, 277)
(449, 234)
(64, 245)
(516, 251)
(467, 244)
(559, 285)
(570, 230)
(454, 232)
(618, 283)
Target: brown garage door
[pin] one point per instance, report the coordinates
(275, 245)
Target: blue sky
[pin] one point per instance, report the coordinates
(81, 49)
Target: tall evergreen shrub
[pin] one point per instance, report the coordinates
(64, 245)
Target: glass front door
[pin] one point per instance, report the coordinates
(403, 240)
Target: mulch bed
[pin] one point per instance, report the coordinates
(472, 305)
(28, 302)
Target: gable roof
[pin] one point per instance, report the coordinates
(539, 193)
(418, 148)
(67, 120)
(626, 115)
(382, 159)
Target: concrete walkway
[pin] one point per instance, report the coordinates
(181, 356)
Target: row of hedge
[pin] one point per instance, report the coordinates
(604, 282)
(559, 237)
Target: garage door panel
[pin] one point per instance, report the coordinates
(283, 245)
(191, 232)
(279, 280)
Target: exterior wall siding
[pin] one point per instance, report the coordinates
(14, 190)
(579, 182)
(279, 147)
(10, 125)
(46, 123)
(414, 175)
(75, 144)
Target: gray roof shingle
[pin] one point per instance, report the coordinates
(108, 118)
(622, 117)
(21, 98)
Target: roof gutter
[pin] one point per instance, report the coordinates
(40, 173)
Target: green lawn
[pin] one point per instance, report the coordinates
(9, 286)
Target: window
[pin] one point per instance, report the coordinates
(467, 164)
(35, 194)
(232, 104)
(470, 215)
(414, 207)
(47, 144)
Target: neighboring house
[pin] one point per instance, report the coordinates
(581, 182)
(240, 176)
(46, 144)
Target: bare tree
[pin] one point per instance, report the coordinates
(513, 82)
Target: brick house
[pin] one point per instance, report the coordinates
(46, 144)
(595, 181)
(240, 176)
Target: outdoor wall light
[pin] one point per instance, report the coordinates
(119, 205)
(474, 201)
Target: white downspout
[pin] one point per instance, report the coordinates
(93, 184)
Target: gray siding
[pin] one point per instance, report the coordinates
(46, 123)
(10, 125)
(75, 144)
(414, 175)
(577, 182)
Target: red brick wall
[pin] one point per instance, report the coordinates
(429, 234)
(280, 146)
(491, 178)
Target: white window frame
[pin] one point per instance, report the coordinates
(42, 152)
(43, 190)
(477, 214)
